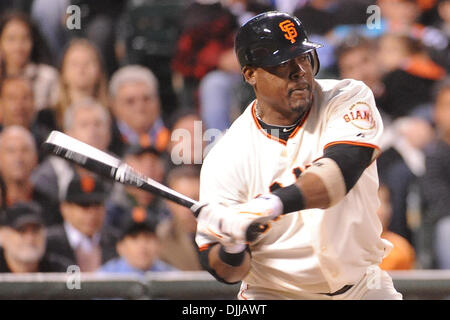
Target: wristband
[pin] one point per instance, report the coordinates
(232, 259)
(291, 197)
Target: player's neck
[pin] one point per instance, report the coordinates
(273, 117)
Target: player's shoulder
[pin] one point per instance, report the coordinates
(332, 88)
(344, 94)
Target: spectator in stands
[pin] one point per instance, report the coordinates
(18, 158)
(443, 55)
(147, 33)
(319, 15)
(205, 44)
(436, 181)
(328, 22)
(403, 17)
(187, 143)
(126, 200)
(16, 102)
(138, 249)
(51, 15)
(99, 26)
(87, 121)
(176, 235)
(402, 255)
(82, 76)
(410, 76)
(185, 180)
(244, 10)
(401, 164)
(19, 51)
(84, 239)
(222, 91)
(23, 240)
(217, 89)
(288, 6)
(17, 107)
(397, 16)
(355, 61)
(136, 109)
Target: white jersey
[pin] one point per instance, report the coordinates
(315, 250)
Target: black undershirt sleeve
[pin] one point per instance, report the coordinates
(351, 159)
(204, 262)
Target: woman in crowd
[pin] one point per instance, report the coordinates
(82, 76)
(21, 54)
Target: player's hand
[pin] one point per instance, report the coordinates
(230, 225)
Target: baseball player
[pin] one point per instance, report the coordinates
(300, 160)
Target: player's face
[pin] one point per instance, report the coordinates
(137, 104)
(139, 250)
(86, 219)
(286, 88)
(26, 244)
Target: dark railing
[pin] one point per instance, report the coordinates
(417, 284)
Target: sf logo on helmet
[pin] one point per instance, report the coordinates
(288, 27)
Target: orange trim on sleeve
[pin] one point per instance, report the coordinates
(206, 246)
(361, 144)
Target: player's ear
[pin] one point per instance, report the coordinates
(249, 74)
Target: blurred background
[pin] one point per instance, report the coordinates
(147, 79)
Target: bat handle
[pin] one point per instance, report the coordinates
(196, 208)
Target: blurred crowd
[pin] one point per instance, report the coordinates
(155, 82)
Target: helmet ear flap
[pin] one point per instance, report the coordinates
(314, 62)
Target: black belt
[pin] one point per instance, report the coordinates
(342, 290)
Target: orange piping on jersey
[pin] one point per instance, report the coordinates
(261, 128)
(206, 246)
(277, 218)
(255, 213)
(268, 135)
(268, 226)
(214, 234)
(316, 160)
(361, 144)
(300, 125)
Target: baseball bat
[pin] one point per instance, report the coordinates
(113, 168)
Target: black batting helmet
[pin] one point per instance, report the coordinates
(272, 38)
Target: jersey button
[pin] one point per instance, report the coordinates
(323, 248)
